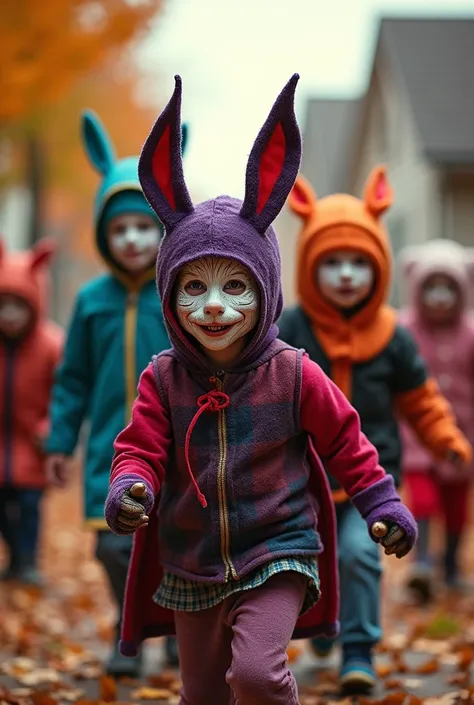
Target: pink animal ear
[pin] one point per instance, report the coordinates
(42, 253)
(378, 194)
(302, 198)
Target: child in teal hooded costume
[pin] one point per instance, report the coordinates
(115, 329)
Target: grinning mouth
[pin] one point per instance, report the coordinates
(215, 329)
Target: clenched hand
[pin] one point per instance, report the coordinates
(393, 539)
(131, 514)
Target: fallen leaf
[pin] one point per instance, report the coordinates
(466, 656)
(293, 653)
(384, 669)
(412, 683)
(39, 677)
(71, 695)
(107, 688)
(392, 683)
(431, 666)
(461, 679)
(39, 698)
(148, 693)
(162, 680)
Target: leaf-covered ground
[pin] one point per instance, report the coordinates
(52, 643)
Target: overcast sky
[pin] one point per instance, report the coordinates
(234, 56)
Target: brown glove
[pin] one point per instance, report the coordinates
(132, 515)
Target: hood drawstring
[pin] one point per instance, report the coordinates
(213, 401)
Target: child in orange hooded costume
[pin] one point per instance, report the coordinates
(343, 322)
(30, 348)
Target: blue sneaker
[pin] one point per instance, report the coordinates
(357, 674)
(322, 646)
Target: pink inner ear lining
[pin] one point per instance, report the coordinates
(381, 187)
(271, 166)
(299, 195)
(161, 166)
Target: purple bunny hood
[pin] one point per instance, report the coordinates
(223, 227)
(215, 229)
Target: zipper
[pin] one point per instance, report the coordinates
(130, 353)
(8, 413)
(230, 572)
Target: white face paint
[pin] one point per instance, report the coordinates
(345, 278)
(15, 315)
(133, 241)
(217, 301)
(440, 297)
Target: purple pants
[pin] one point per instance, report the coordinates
(235, 653)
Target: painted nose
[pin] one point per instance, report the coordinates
(214, 308)
(346, 273)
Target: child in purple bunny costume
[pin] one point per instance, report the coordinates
(220, 462)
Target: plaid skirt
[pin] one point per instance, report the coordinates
(176, 593)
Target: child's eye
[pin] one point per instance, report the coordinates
(119, 230)
(361, 262)
(143, 227)
(331, 262)
(234, 286)
(195, 288)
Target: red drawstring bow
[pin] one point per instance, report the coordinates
(212, 401)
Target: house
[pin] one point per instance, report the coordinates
(417, 117)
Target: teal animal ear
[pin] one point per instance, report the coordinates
(184, 137)
(98, 145)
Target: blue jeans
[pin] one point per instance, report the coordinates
(360, 574)
(20, 522)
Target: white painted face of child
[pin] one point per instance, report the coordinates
(345, 278)
(217, 302)
(15, 315)
(440, 297)
(133, 241)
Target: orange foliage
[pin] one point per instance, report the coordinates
(47, 47)
(71, 180)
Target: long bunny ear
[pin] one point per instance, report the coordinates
(160, 168)
(184, 137)
(42, 253)
(302, 199)
(97, 142)
(378, 194)
(273, 162)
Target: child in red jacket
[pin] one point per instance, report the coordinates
(30, 349)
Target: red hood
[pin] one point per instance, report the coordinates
(26, 274)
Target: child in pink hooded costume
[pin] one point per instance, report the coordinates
(219, 459)
(437, 283)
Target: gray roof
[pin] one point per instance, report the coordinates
(434, 58)
(329, 138)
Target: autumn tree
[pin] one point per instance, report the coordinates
(46, 47)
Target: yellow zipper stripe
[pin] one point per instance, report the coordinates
(130, 353)
(223, 512)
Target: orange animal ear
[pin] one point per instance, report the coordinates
(378, 194)
(302, 198)
(42, 253)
